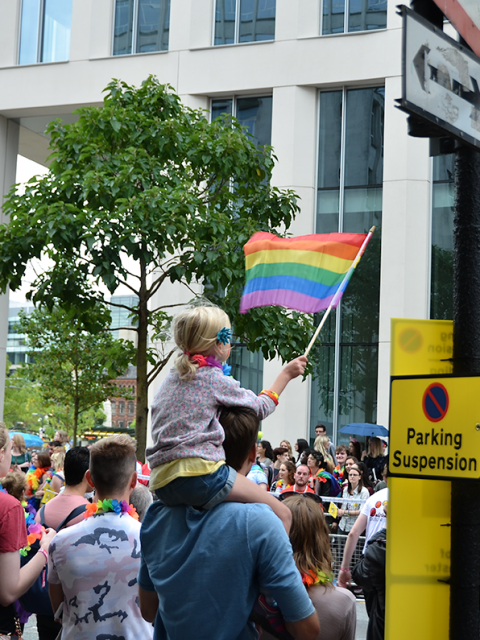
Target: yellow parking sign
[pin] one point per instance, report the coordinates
(435, 427)
(421, 346)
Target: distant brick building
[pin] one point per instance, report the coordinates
(124, 410)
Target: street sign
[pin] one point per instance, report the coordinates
(421, 347)
(418, 558)
(435, 427)
(465, 17)
(441, 79)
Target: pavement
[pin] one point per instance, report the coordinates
(30, 631)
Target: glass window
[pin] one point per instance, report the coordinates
(443, 195)
(244, 21)
(141, 26)
(45, 31)
(349, 199)
(122, 408)
(131, 408)
(342, 16)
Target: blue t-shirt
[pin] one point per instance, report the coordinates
(208, 567)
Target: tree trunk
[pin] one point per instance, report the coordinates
(75, 419)
(141, 419)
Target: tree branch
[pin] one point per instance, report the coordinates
(168, 306)
(158, 367)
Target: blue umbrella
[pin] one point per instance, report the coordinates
(364, 429)
(31, 440)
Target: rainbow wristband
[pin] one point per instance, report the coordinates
(271, 394)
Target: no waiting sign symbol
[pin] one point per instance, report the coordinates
(435, 402)
(410, 340)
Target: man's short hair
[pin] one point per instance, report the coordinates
(77, 460)
(341, 447)
(322, 427)
(241, 429)
(112, 462)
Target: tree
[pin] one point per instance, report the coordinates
(146, 178)
(72, 367)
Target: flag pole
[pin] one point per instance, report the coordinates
(340, 290)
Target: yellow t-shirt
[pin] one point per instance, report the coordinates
(165, 473)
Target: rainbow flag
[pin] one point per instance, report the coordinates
(303, 273)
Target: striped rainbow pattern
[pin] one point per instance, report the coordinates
(301, 273)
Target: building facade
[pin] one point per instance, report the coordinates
(317, 79)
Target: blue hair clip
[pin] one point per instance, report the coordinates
(224, 335)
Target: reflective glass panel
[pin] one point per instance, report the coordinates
(330, 137)
(358, 384)
(29, 32)
(56, 30)
(323, 386)
(333, 19)
(153, 25)
(221, 106)
(225, 21)
(257, 20)
(123, 29)
(365, 15)
(256, 115)
(364, 137)
(359, 209)
(443, 194)
(247, 367)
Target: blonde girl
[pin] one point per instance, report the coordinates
(187, 457)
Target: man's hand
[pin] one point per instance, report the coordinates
(148, 604)
(47, 536)
(344, 578)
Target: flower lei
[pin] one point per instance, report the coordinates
(33, 478)
(314, 577)
(339, 472)
(34, 529)
(280, 484)
(118, 507)
(322, 476)
(211, 361)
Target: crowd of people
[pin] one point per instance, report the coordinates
(94, 553)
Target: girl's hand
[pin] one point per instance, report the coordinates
(295, 367)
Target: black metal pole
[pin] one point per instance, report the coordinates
(465, 500)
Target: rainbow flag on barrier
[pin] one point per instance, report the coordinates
(307, 273)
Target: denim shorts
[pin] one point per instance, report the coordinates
(199, 491)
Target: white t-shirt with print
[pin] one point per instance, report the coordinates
(375, 512)
(97, 563)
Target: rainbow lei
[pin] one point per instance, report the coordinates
(312, 578)
(111, 505)
(33, 479)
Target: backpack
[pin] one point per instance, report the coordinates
(36, 599)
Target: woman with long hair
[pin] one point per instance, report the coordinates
(264, 453)
(352, 494)
(13, 537)
(300, 446)
(321, 480)
(20, 456)
(336, 607)
(286, 443)
(355, 449)
(375, 460)
(280, 455)
(367, 483)
(285, 477)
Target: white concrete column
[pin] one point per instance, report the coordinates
(294, 141)
(9, 32)
(9, 132)
(297, 19)
(406, 222)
